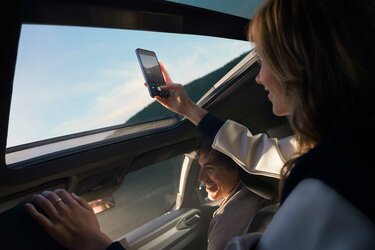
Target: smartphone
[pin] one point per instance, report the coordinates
(151, 72)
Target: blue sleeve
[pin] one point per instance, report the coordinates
(209, 126)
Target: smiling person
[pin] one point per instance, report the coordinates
(238, 205)
(317, 65)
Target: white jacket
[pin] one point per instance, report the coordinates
(256, 154)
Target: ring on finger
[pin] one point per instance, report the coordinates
(56, 201)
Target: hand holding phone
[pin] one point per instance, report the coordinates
(151, 72)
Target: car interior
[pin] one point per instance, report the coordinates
(141, 177)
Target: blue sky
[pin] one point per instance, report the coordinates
(73, 79)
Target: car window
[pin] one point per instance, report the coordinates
(241, 8)
(143, 195)
(69, 80)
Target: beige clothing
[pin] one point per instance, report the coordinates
(233, 216)
(256, 154)
(309, 220)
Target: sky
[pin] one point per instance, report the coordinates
(74, 79)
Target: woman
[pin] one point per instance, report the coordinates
(316, 66)
(316, 63)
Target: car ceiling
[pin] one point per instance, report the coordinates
(104, 164)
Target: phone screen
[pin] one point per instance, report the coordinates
(151, 72)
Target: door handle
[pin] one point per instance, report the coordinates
(191, 220)
(188, 221)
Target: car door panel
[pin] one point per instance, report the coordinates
(174, 230)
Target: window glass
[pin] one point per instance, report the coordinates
(241, 8)
(144, 195)
(75, 79)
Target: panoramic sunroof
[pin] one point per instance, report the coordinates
(70, 82)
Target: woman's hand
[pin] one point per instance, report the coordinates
(69, 220)
(178, 101)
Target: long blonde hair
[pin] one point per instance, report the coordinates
(321, 52)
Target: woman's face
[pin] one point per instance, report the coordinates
(276, 93)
